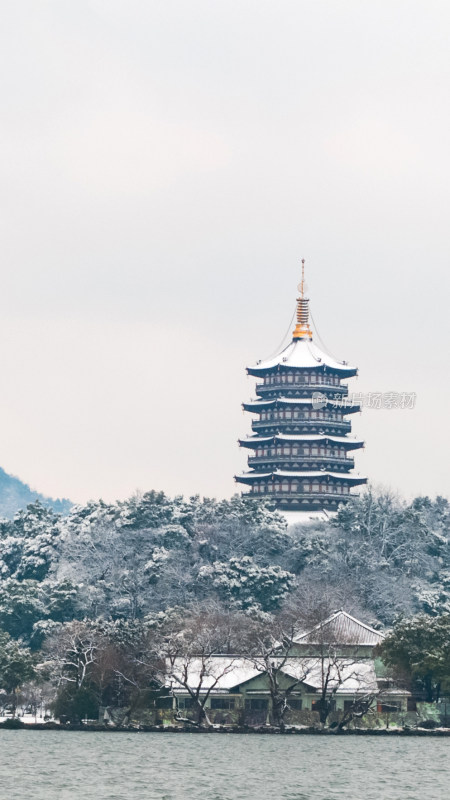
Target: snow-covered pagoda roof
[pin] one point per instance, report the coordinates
(254, 441)
(259, 405)
(250, 477)
(302, 353)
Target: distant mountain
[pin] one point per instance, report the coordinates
(14, 495)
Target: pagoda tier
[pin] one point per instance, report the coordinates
(300, 404)
(300, 438)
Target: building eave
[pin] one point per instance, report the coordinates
(350, 444)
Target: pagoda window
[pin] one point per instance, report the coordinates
(295, 451)
(286, 450)
(270, 487)
(285, 486)
(314, 451)
(288, 414)
(290, 378)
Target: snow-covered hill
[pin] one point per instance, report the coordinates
(15, 494)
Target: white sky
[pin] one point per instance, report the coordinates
(164, 168)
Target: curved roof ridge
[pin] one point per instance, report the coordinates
(335, 615)
(304, 354)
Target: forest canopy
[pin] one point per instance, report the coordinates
(380, 558)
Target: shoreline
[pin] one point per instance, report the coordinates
(263, 731)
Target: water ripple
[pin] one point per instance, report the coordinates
(52, 765)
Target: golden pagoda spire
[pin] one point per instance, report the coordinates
(302, 329)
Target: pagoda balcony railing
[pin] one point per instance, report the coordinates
(282, 425)
(288, 461)
(301, 387)
(305, 496)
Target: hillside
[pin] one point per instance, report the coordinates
(15, 494)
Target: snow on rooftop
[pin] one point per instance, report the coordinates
(296, 474)
(223, 673)
(305, 437)
(219, 672)
(308, 401)
(302, 353)
(303, 517)
(346, 673)
(341, 627)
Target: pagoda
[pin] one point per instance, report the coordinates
(301, 448)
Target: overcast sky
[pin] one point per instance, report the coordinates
(164, 168)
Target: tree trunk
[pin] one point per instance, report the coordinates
(428, 688)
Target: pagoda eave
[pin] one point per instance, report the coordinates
(251, 477)
(255, 406)
(253, 442)
(256, 371)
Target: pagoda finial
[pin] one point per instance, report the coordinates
(302, 285)
(302, 329)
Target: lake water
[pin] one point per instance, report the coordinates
(50, 765)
